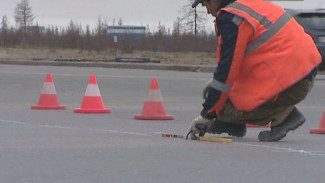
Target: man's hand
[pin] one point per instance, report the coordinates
(206, 88)
(199, 126)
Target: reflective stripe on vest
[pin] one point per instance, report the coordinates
(271, 28)
(262, 19)
(217, 85)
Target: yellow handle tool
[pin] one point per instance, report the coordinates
(216, 139)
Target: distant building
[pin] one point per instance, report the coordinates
(126, 30)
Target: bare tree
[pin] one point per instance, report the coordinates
(100, 35)
(177, 27)
(192, 19)
(24, 15)
(88, 36)
(161, 29)
(120, 22)
(73, 33)
(4, 30)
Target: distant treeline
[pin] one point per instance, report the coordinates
(76, 37)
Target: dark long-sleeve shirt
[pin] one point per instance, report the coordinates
(228, 30)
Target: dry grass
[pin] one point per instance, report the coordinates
(193, 58)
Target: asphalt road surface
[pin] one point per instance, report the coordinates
(38, 146)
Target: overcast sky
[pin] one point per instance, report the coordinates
(132, 12)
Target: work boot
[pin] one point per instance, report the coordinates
(232, 129)
(292, 122)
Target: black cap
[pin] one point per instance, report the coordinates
(196, 2)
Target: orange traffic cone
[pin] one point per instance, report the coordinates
(153, 108)
(257, 126)
(321, 129)
(48, 98)
(92, 102)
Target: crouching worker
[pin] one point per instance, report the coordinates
(266, 65)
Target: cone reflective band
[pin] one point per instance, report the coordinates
(92, 102)
(321, 128)
(153, 107)
(48, 98)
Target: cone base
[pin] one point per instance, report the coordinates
(317, 130)
(257, 126)
(41, 107)
(149, 117)
(79, 110)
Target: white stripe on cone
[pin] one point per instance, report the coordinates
(48, 88)
(154, 95)
(92, 90)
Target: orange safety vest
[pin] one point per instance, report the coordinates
(279, 54)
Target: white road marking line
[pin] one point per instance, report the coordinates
(284, 149)
(73, 128)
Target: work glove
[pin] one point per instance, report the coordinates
(199, 126)
(206, 88)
